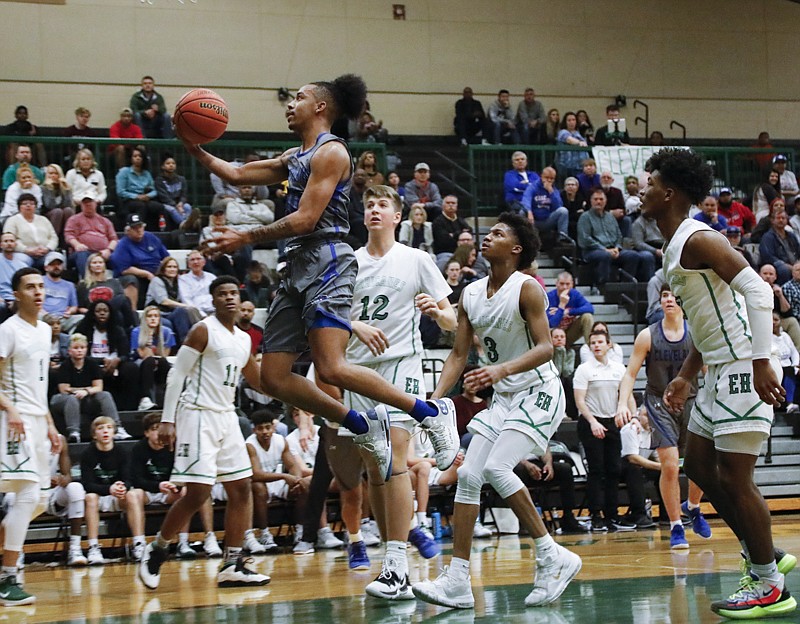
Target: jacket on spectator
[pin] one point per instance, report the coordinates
(515, 185)
(540, 201)
(773, 251)
(596, 232)
(445, 233)
(577, 305)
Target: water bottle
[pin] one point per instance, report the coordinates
(162, 223)
(436, 525)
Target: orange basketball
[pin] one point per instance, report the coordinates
(201, 116)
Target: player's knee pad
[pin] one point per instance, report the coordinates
(16, 523)
(75, 491)
(41, 505)
(500, 475)
(470, 481)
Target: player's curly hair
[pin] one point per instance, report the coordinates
(527, 236)
(223, 279)
(346, 95)
(683, 169)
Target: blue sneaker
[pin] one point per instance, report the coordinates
(424, 542)
(699, 524)
(357, 556)
(677, 538)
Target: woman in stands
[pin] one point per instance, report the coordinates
(97, 286)
(569, 163)
(465, 255)
(417, 231)
(369, 164)
(393, 180)
(136, 191)
(552, 125)
(614, 352)
(765, 193)
(151, 343)
(85, 175)
(585, 126)
(163, 293)
(56, 198)
(26, 183)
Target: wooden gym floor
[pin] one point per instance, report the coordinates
(626, 577)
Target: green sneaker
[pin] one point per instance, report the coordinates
(12, 594)
(755, 599)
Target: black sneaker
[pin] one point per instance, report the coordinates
(644, 522)
(598, 525)
(237, 574)
(570, 526)
(620, 525)
(390, 585)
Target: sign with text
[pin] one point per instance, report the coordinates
(623, 160)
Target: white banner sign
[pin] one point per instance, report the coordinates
(623, 161)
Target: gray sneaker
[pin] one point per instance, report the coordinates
(442, 431)
(376, 441)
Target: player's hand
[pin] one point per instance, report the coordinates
(547, 471)
(16, 428)
(623, 416)
(302, 485)
(484, 377)
(675, 395)
(598, 430)
(767, 384)
(227, 241)
(166, 435)
(373, 337)
(304, 437)
(55, 439)
(533, 470)
(167, 487)
(427, 305)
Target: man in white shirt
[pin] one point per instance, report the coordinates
(193, 286)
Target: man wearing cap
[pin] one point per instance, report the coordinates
(60, 296)
(88, 232)
(10, 262)
(150, 111)
(136, 258)
(422, 192)
(734, 236)
(123, 129)
(789, 186)
(736, 214)
(35, 234)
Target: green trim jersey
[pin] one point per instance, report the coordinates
(384, 298)
(26, 351)
(716, 312)
(502, 330)
(270, 460)
(212, 382)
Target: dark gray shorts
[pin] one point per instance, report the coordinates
(667, 430)
(317, 288)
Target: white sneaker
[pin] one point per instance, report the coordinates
(377, 441)
(149, 568)
(479, 531)
(390, 584)
(95, 556)
(185, 551)
(267, 541)
(553, 574)
(446, 591)
(303, 548)
(75, 556)
(327, 540)
(251, 544)
(371, 533)
(121, 434)
(211, 546)
(236, 574)
(442, 431)
(138, 551)
(146, 404)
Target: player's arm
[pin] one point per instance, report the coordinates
(252, 374)
(15, 426)
(372, 336)
(294, 471)
(533, 309)
(455, 362)
(643, 462)
(64, 465)
(269, 171)
(259, 476)
(641, 347)
(440, 311)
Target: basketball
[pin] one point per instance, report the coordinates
(201, 116)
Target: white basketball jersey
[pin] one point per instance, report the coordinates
(271, 460)
(502, 330)
(716, 312)
(26, 351)
(384, 297)
(212, 382)
(308, 457)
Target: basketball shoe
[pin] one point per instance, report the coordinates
(446, 590)
(756, 599)
(553, 573)
(376, 441)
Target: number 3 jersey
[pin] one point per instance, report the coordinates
(383, 297)
(502, 330)
(26, 351)
(211, 385)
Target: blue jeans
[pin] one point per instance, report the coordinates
(176, 217)
(640, 264)
(558, 219)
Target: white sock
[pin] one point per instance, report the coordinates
(138, 539)
(691, 505)
(459, 568)
(75, 540)
(422, 518)
(397, 550)
(183, 538)
(356, 537)
(414, 523)
(93, 542)
(672, 525)
(768, 572)
(544, 545)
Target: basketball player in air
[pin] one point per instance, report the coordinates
(508, 312)
(664, 346)
(312, 305)
(27, 434)
(728, 308)
(199, 420)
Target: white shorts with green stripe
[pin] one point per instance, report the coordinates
(728, 403)
(537, 412)
(209, 447)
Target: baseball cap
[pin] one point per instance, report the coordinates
(53, 256)
(725, 190)
(733, 230)
(89, 193)
(421, 165)
(779, 158)
(126, 110)
(134, 220)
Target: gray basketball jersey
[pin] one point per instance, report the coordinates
(333, 220)
(665, 359)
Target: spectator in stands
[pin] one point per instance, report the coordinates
(24, 186)
(470, 120)
(247, 311)
(588, 178)
(633, 199)
(258, 286)
(60, 298)
(791, 290)
(569, 310)
(569, 163)
(734, 236)
(447, 226)
(173, 192)
(788, 180)
(501, 119)
(22, 127)
(193, 286)
(97, 286)
(542, 203)
(615, 353)
(784, 347)
(22, 155)
(615, 202)
(86, 176)
(517, 180)
(137, 255)
(735, 213)
(779, 246)
(124, 128)
(452, 275)
(654, 311)
(765, 193)
(225, 264)
(150, 111)
(781, 304)
(36, 237)
(640, 461)
(369, 163)
(615, 137)
(56, 198)
(89, 233)
(105, 475)
(163, 291)
(564, 361)
(552, 126)
(225, 192)
(81, 126)
(110, 348)
(585, 126)
(357, 236)
(574, 201)
(59, 345)
(466, 255)
(530, 118)
(393, 180)
(479, 265)
(709, 214)
(137, 192)
(656, 138)
(369, 129)
(647, 237)
(10, 262)
(596, 383)
(151, 344)
(600, 239)
(763, 159)
(247, 212)
(422, 191)
(81, 394)
(417, 231)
